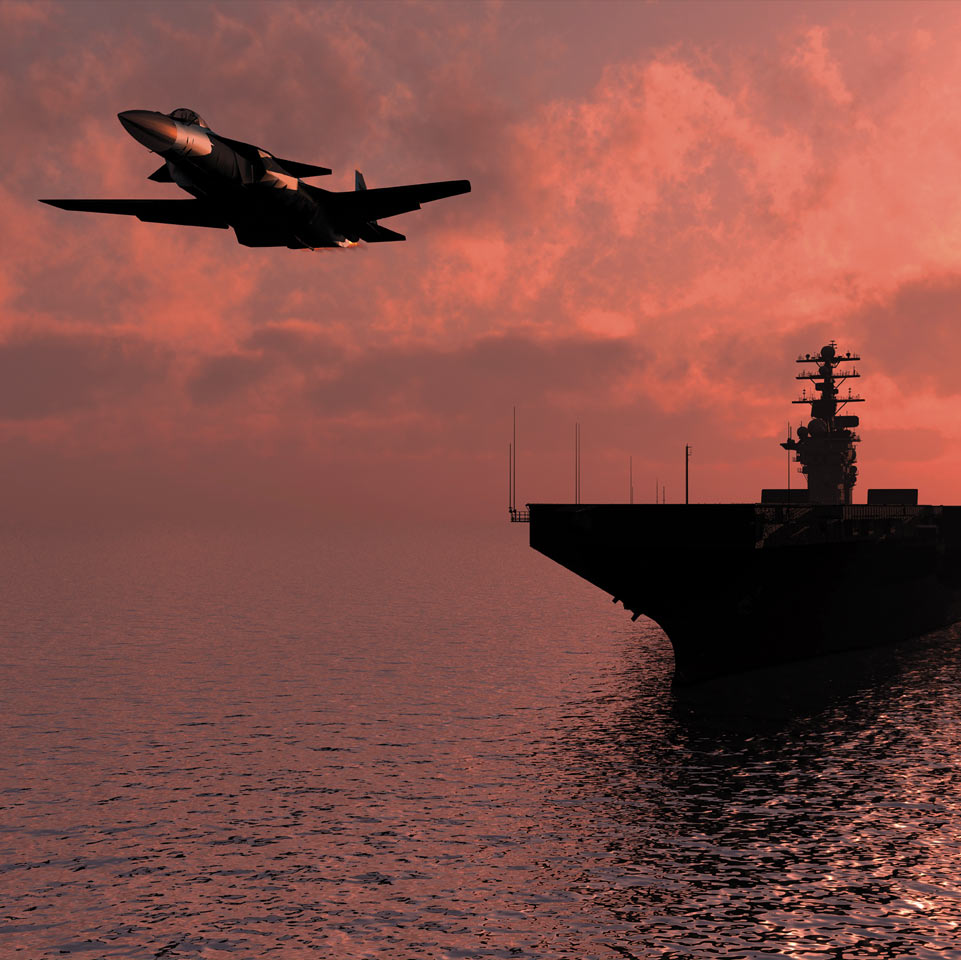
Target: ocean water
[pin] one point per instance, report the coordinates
(436, 743)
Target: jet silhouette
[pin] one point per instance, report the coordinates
(262, 198)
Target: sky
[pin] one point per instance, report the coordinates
(670, 202)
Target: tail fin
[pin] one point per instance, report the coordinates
(359, 183)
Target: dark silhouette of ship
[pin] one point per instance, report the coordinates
(801, 574)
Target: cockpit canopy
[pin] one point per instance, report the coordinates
(185, 115)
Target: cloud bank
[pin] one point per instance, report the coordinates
(657, 228)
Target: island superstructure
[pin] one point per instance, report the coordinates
(801, 573)
(825, 447)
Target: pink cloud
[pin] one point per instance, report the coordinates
(18, 14)
(813, 57)
(650, 239)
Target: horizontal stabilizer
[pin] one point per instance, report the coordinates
(375, 233)
(161, 175)
(189, 213)
(297, 169)
(367, 205)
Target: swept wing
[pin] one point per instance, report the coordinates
(189, 213)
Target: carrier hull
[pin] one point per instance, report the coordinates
(739, 586)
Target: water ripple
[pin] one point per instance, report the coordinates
(214, 747)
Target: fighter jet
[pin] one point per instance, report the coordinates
(264, 199)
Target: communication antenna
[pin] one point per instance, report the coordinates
(687, 472)
(630, 478)
(577, 463)
(512, 469)
(789, 462)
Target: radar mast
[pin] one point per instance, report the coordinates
(825, 447)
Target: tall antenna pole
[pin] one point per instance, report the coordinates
(630, 478)
(789, 463)
(577, 463)
(687, 472)
(514, 466)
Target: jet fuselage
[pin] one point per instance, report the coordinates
(257, 201)
(262, 197)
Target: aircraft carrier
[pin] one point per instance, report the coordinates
(800, 574)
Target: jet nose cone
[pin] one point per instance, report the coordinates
(155, 131)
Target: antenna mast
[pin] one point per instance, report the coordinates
(577, 463)
(825, 447)
(790, 437)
